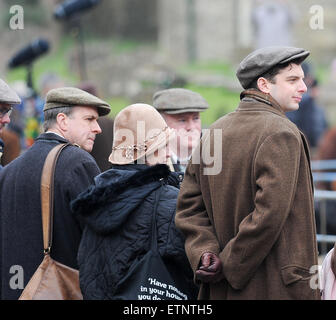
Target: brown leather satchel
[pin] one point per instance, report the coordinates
(52, 280)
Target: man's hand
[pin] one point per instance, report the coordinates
(210, 269)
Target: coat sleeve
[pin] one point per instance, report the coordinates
(276, 168)
(192, 219)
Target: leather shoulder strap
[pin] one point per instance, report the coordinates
(47, 195)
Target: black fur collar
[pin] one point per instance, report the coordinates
(100, 195)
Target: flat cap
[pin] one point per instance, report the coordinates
(8, 95)
(72, 97)
(262, 60)
(178, 100)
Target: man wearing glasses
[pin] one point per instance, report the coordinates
(8, 99)
(70, 115)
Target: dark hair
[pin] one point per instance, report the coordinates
(51, 115)
(271, 73)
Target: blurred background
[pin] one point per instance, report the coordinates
(125, 50)
(129, 48)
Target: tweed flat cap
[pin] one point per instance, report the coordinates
(68, 96)
(262, 60)
(8, 95)
(178, 100)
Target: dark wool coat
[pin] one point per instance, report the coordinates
(20, 219)
(103, 143)
(310, 119)
(257, 213)
(118, 212)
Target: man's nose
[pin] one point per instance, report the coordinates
(303, 87)
(97, 128)
(189, 125)
(5, 119)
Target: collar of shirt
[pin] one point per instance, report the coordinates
(50, 131)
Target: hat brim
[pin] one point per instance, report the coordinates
(101, 109)
(118, 156)
(302, 55)
(178, 111)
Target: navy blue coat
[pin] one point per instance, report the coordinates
(1, 151)
(118, 213)
(20, 207)
(310, 119)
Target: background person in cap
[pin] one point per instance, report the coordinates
(118, 208)
(8, 99)
(70, 115)
(250, 230)
(181, 109)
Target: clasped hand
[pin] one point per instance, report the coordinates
(210, 269)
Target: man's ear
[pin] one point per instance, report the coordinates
(62, 121)
(264, 85)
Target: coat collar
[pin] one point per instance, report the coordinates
(123, 186)
(267, 102)
(51, 136)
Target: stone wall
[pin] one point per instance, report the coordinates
(188, 28)
(173, 29)
(215, 18)
(220, 29)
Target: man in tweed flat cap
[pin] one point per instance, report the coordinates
(70, 116)
(8, 99)
(250, 230)
(181, 109)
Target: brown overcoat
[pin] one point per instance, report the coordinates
(257, 213)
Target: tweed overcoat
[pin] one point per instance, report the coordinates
(257, 212)
(21, 239)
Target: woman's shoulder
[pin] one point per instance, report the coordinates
(168, 195)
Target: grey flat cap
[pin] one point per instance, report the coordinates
(178, 100)
(262, 60)
(8, 95)
(68, 96)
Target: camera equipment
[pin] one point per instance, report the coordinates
(71, 7)
(29, 53)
